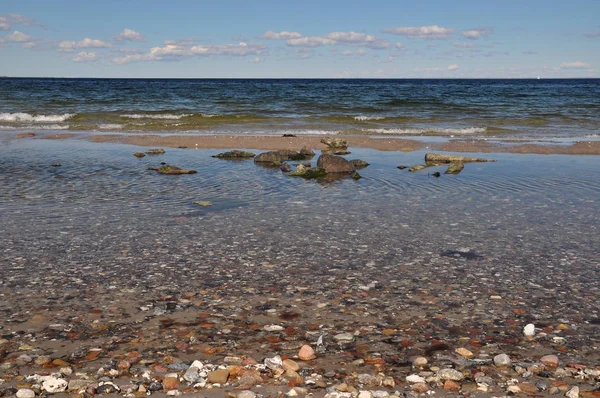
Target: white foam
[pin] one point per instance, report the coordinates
(362, 118)
(210, 115)
(414, 131)
(154, 116)
(26, 117)
(110, 126)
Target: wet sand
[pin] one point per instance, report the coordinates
(382, 144)
(133, 303)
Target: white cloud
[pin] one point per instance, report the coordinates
(462, 44)
(85, 57)
(130, 35)
(4, 24)
(283, 35)
(477, 33)
(358, 39)
(7, 20)
(311, 41)
(422, 32)
(71, 46)
(17, 37)
(171, 52)
(575, 65)
(452, 67)
(356, 52)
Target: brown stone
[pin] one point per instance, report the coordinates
(219, 376)
(59, 362)
(288, 364)
(528, 388)
(123, 365)
(249, 361)
(450, 385)
(170, 383)
(250, 378)
(550, 360)
(388, 332)
(420, 387)
(464, 352)
(306, 353)
(334, 164)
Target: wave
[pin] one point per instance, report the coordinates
(168, 116)
(362, 118)
(26, 117)
(420, 131)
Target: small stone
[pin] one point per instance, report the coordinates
(380, 394)
(343, 337)
(389, 382)
(529, 330)
(528, 388)
(514, 389)
(550, 360)
(273, 328)
(412, 379)
(365, 394)
(288, 364)
(250, 378)
(450, 385)
(420, 387)
(53, 385)
(464, 352)
(156, 151)
(246, 394)
(368, 380)
(25, 393)
(174, 393)
(218, 376)
(573, 392)
(502, 360)
(139, 154)
(274, 363)
(192, 374)
(306, 353)
(107, 388)
(42, 360)
(450, 374)
(23, 359)
(170, 383)
(78, 384)
(419, 362)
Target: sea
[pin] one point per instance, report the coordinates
(564, 108)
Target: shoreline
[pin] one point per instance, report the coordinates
(462, 144)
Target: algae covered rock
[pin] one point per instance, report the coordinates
(308, 172)
(334, 164)
(172, 170)
(455, 168)
(203, 203)
(359, 164)
(139, 154)
(417, 167)
(234, 154)
(356, 176)
(155, 151)
(307, 152)
(333, 143)
(439, 158)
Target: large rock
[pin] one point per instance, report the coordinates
(334, 143)
(156, 151)
(334, 164)
(235, 154)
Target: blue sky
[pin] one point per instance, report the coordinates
(388, 39)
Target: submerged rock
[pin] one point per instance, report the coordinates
(173, 170)
(417, 167)
(285, 167)
(155, 151)
(306, 151)
(439, 158)
(308, 172)
(334, 164)
(203, 203)
(455, 168)
(359, 164)
(356, 176)
(234, 154)
(139, 154)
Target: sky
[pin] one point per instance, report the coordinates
(303, 39)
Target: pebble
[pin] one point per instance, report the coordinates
(464, 352)
(273, 328)
(306, 353)
(53, 385)
(274, 363)
(246, 394)
(218, 376)
(343, 337)
(25, 393)
(414, 379)
(573, 392)
(288, 364)
(365, 394)
(529, 330)
(502, 360)
(368, 380)
(550, 360)
(420, 387)
(192, 375)
(450, 374)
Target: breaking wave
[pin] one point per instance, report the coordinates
(26, 117)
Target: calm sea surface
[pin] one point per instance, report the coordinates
(536, 108)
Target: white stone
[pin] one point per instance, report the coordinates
(365, 394)
(25, 393)
(273, 328)
(502, 360)
(174, 393)
(414, 379)
(380, 394)
(450, 374)
(573, 392)
(274, 363)
(197, 364)
(344, 337)
(246, 394)
(53, 385)
(529, 330)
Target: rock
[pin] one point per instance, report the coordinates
(450, 374)
(285, 167)
(288, 364)
(334, 143)
(23, 359)
(573, 392)
(420, 387)
(529, 330)
(306, 353)
(218, 376)
(107, 387)
(307, 152)
(513, 389)
(173, 170)
(203, 203)
(412, 379)
(308, 173)
(170, 383)
(334, 164)
(174, 393)
(359, 164)
(234, 154)
(502, 360)
(389, 382)
(417, 167)
(42, 360)
(343, 337)
(78, 384)
(464, 352)
(192, 375)
(455, 168)
(365, 394)
(356, 176)
(25, 393)
(156, 151)
(289, 135)
(450, 385)
(273, 328)
(436, 174)
(53, 385)
(139, 154)
(419, 362)
(274, 363)
(368, 380)
(550, 360)
(439, 158)
(246, 394)
(402, 167)
(271, 158)
(250, 378)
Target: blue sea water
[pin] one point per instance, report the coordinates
(532, 108)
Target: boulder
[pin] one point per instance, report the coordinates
(333, 143)
(273, 158)
(306, 151)
(334, 164)
(285, 167)
(234, 154)
(455, 168)
(359, 164)
(308, 172)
